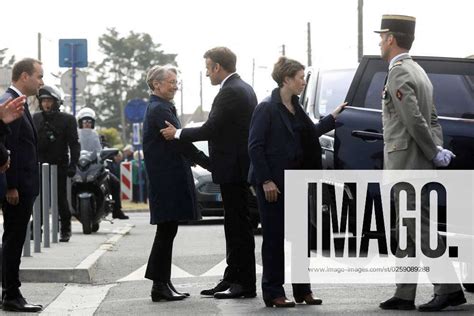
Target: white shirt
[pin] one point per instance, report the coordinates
(16, 90)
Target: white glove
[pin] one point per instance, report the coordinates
(443, 157)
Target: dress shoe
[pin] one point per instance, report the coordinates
(221, 286)
(308, 299)
(440, 302)
(19, 304)
(235, 291)
(279, 302)
(171, 286)
(397, 303)
(119, 214)
(65, 236)
(161, 291)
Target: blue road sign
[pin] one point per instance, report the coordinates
(73, 53)
(135, 110)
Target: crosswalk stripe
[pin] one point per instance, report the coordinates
(139, 274)
(177, 272)
(78, 300)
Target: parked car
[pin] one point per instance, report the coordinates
(208, 193)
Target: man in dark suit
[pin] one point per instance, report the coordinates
(22, 184)
(227, 130)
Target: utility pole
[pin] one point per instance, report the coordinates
(309, 45)
(182, 103)
(283, 53)
(360, 28)
(253, 72)
(39, 46)
(200, 93)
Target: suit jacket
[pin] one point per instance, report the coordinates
(410, 124)
(23, 173)
(172, 194)
(227, 130)
(272, 143)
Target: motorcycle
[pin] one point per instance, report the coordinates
(90, 190)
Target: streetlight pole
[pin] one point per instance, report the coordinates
(360, 27)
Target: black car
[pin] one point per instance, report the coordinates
(208, 193)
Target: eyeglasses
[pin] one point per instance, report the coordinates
(87, 121)
(171, 82)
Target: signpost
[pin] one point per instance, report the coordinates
(73, 53)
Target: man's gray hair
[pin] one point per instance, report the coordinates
(159, 73)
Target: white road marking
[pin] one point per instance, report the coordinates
(78, 300)
(139, 274)
(177, 272)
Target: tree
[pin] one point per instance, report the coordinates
(10, 62)
(112, 137)
(121, 75)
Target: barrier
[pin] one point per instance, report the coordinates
(126, 184)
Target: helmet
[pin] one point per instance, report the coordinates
(86, 113)
(50, 92)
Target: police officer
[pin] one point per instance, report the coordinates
(57, 145)
(412, 140)
(90, 141)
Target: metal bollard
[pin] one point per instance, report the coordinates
(45, 199)
(37, 225)
(27, 244)
(54, 202)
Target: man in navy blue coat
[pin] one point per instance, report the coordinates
(22, 183)
(227, 130)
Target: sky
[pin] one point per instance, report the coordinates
(254, 30)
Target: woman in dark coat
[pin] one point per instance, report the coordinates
(171, 183)
(282, 137)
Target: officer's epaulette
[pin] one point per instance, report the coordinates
(398, 63)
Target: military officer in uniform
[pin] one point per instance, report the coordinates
(412, 138)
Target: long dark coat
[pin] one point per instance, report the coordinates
(171, 189)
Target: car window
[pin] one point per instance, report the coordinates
(453, 94)
(332, 89)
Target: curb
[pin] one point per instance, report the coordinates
(82, 273)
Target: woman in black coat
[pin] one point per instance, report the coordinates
(171, 184)
(282, 137)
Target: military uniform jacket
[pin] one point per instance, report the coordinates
(410, 124)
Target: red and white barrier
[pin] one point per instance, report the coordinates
(126, 184)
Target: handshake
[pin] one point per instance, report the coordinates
(443, 157)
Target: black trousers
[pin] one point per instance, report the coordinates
(240, 243)
(15, 221)
(159, 262)
(115, 191)
(272, 218)
(63, 205)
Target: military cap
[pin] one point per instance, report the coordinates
(397, 24)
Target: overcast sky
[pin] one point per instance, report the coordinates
(252, 29)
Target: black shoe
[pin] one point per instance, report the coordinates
(19, 304)
(119, 214)
(440, 302)
(397, 303)
(65, 236)
(236, 291)
(161, 291)
(279, 302)
(171, 286)
(221, 286)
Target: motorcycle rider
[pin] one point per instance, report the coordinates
(57, 145)
(90, 141)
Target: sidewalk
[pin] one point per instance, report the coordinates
(76, 260)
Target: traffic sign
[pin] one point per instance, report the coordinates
(66, 82)
(135, 110)
(73, 53)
